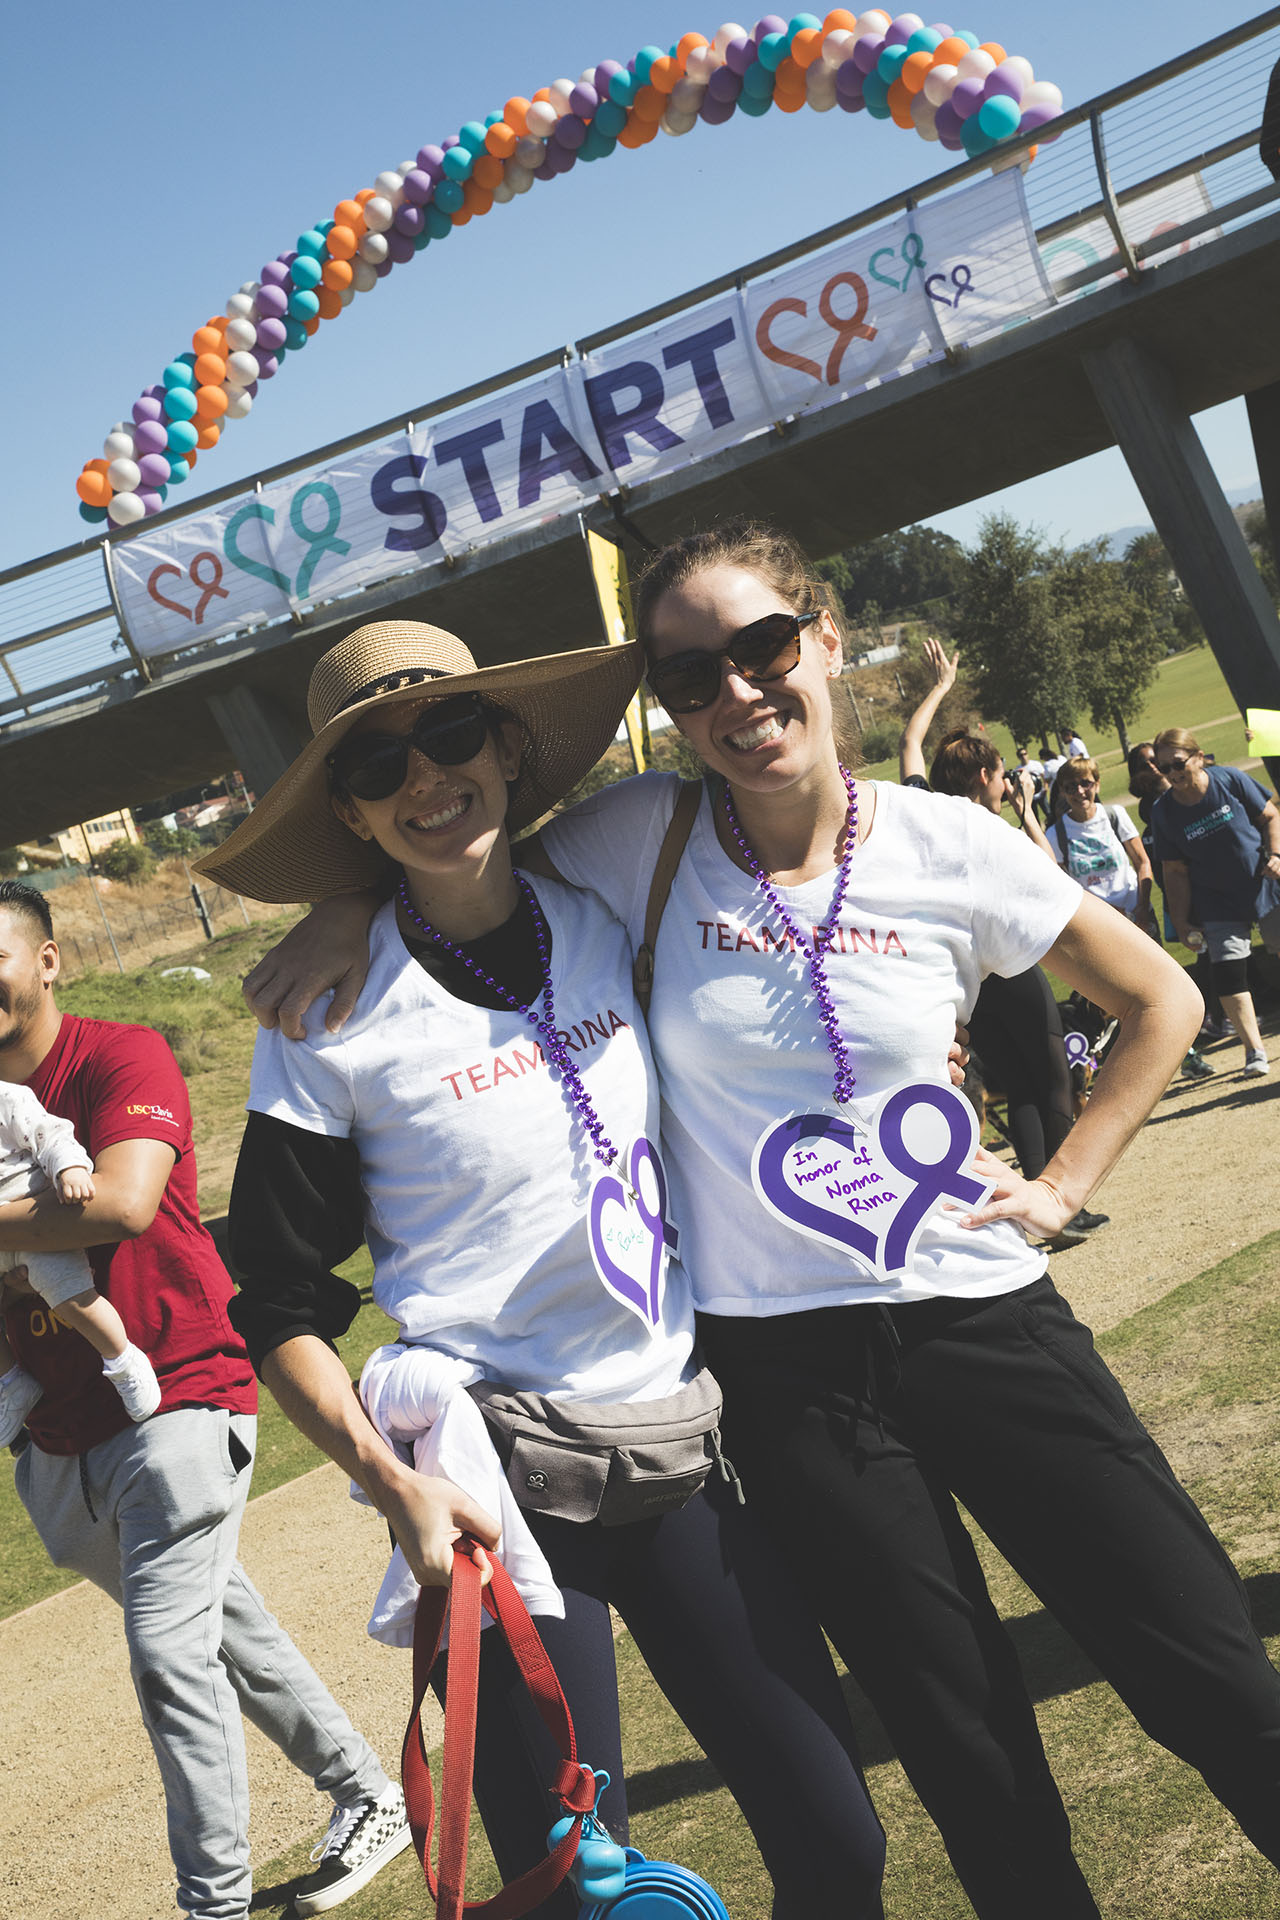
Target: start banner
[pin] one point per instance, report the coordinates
(868, 309)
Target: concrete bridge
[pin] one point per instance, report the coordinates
(1125, 363)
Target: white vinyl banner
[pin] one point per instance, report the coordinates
(868, 309)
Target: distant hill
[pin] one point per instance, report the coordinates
(1118, 540)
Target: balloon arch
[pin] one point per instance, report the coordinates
(943, 84)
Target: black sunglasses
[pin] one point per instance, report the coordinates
(373, 766)
(766, 650)
(1174, 766)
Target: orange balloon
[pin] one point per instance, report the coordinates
(337, 274)
(330, 304)
(949, 53)
(94, 488)
(366, 194)
(806, 46)
(994, 48)
(915, 71)
(543, 93)
(689, 43)
(789, 76)
(190, 458)
(211, 403)
(637, 132)
(210, 370)
(475, 198)
(899, 100)
(95, 466)
(209, 436)
(348, 214)
(788, 102)
(312, 326)
(206, 339)
(663, 74)
(501, 140)
(342, 242)
(487, 170)
(649, 105)
(460, 218)
(839, 20)
(514, 114)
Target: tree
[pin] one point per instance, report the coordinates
(1020, 651)
(128, 861)
(1117, 639)
(1149, 571)
(1257, 531)
(898, 570)
(163, 840)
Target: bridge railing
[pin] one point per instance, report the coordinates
(1165, 162)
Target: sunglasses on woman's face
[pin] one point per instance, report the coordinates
(1175, 766)
(766, 650)
(373, 766)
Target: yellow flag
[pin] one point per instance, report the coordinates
(1264, 724)
(613, 591)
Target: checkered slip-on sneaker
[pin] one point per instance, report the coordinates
(359, 1843)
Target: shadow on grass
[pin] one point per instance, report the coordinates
(1051, 1662)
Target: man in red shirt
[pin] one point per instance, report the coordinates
(151, 1513)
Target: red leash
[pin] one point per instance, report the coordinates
(574, 1785)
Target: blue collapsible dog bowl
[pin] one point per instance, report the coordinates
(659, 1890)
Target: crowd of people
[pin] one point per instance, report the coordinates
(574, 1092)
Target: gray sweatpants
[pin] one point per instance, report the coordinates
(154, 1523)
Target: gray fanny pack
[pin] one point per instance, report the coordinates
(581, 1461)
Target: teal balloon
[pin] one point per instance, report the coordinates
(973, 138)
(890, 64)
(306, 271)
(178, 373)
(471, 136)
(924, 40)
(772, 51)
(622, 88)
(324, 227)
(999, 116)
(311, 245)
(757, 84)
(970, 39)
(178, 472)
(94, 515)
(180, 403)
(597, 145)
(448, 195)
(182, 439)
(876, 95)
(437, 224)
(295, 335)
(492, 120)
(610, 118)
(752, 104)
(421, 240)
(802, 23)
(304, 305)
(457, 165)
(644, 64)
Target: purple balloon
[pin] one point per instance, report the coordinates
(947, 122)
(271, 334)
(941, 27)
(867, 51)
(849, 94)
(288, 257)
(148, 408)
(273, 302)
(584, 100)
(409, 219)
(431, 161)
(723, 88)
(740, 54)
(562, 159)
(1000, 84)
(450, 140)
(154, 468)
(604, 74)
(384, 267)
(399, 248)
(772, 23)
(1037, 117)
(569, 132)
(966, 98)
(150, 434)
(274, 274)
(951, 141)
(150, 499)
(418, 187)
(252, 389)
(715, 110)
(897, 34)
(548, 170)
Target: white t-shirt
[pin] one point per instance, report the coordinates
(1096, 856)
(940, 894)
(477, 1172)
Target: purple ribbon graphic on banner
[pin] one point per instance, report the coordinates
(930, 1180)
(640, 1296)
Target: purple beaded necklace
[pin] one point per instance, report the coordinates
(553, 1047)
(842, 1089)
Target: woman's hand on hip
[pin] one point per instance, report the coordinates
(1034, 1205)
(428, 1516)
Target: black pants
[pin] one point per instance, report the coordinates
(875, 1417)
(1016, 1031)
(736, 1648)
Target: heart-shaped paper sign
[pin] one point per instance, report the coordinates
(870, 1193)
(630, 1234)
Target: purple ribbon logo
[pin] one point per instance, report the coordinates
(630, 1234)
(870, 1194)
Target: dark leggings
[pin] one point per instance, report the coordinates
(877, 1416)
(735, 1647)
(1016, 1031)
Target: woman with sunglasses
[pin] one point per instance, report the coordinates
(487, 1120)
(1217, 834)
(820, 937)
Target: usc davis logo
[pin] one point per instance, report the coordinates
(151, 1112)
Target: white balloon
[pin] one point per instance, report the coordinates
(677, 123)
(529, 153)
(378, 214)
(701, 64)
(911, 21)
(1042, 94)
(820, 87)
(373, 248)
(975, 65)
(118, 445)
(518, 178)
(730, 31)
(503, 192)
(877, 21)
(560, 91)
(939, 84)
(838, 47)
(587, 78)
(241, 306)
(239, 405)
(124, 475)
(1019, 69)
(242, 369)
(391, 187)
(686, 96)
(541, 119)
(241, 334)
(406, 166)
(124, 508)
(363, 277)
(348, 294)
(923, 113)
(250, 286)
(821, 102)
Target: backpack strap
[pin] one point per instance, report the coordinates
(670, 853)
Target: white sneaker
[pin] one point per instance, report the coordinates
(19, 1391)
(360, 1842)
(134, 1379)
(1257, 1063)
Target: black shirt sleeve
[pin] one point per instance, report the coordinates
(296, 1212)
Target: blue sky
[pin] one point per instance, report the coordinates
(158, 155)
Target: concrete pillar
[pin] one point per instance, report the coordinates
(1264, 425)
(1191, 515)
(263, 738)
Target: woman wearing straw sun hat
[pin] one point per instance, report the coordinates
(487, 1120)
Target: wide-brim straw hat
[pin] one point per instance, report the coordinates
(293, 846)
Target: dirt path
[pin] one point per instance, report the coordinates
(81, 1815)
